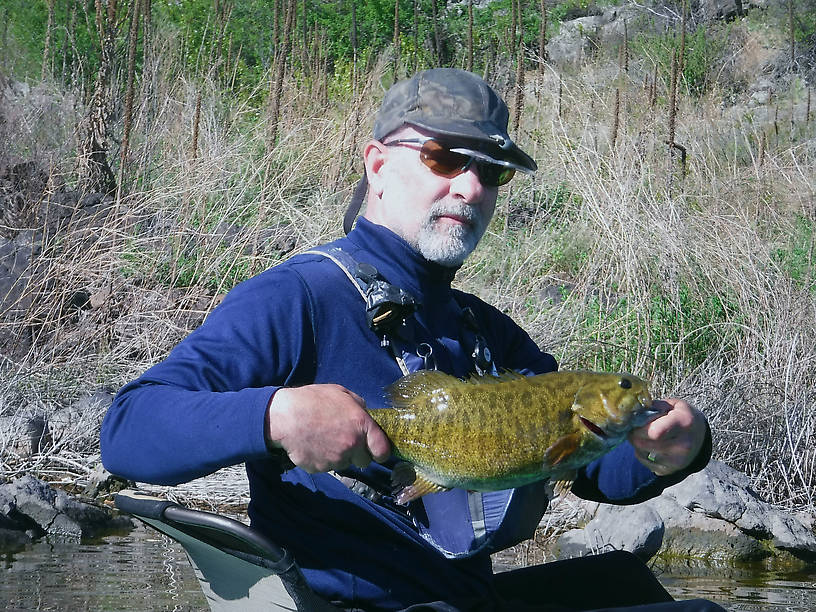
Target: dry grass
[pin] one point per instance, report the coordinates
(611, 258)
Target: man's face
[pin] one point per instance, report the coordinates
(442, 218)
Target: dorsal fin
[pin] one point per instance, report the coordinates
(504, 376)
(417, 384)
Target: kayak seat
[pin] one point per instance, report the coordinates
(237, 567)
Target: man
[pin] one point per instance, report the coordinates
(282, 370)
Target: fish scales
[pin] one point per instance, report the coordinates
(489, 433)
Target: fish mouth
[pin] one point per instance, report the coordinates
(646, 414)
(643, 414)
(594, 428)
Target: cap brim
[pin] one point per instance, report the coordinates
(497, 148)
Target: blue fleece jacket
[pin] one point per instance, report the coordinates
(303, 322)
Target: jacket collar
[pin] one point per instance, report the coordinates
(399, 262)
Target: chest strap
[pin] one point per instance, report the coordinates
(387, 306)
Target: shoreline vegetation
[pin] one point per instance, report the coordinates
(669, 231)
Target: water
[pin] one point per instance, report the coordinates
(139, 570)
(748, 589)
(143, 570)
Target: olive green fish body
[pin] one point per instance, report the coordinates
(490, 433)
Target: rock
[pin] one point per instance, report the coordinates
(31, 505)
(102, 481)
(582, 37)
(555, 293)
(720, 492)
(38, 434)
(84, 415)
(760, 98)
(638, 529)
(12, 540)
(693, 535)
(280, 238)
(711, 10)
(575, 40)
(761, 91)
(712, 515)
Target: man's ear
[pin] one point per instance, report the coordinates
(374, 156)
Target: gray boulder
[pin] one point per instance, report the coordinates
(576, 40)
(32, 506)
(713, 515)
(638, 529)
(711, 10)
(582, 37)
(721, 494)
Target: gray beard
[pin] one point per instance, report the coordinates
(449, 246)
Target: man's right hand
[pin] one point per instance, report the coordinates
(323, 428)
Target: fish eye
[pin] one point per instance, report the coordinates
(625, 383)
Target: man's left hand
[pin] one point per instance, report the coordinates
(672, 441)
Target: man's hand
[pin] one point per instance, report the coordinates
(670, 442)
(323, 428)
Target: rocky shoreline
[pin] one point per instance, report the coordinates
(713, 516)
(31, 509)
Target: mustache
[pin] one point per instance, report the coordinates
(469, 213)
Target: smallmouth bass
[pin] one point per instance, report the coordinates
(488, 433)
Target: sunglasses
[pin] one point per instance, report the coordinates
(453, 162)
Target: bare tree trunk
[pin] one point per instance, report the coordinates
(519, 106)
(470, 37)
(196, 124)
(147, 28)
(792, 39)
(416, 36)
(304, 50)
(280, 73)
(396, 39)
(276, 22)
(93, 171)
(133, 35)
(514, 26)
(68, 58)
(542, 38)
(354, 50)
(681, 60)
(223, 12)
(48, 29)
(437, 37)
(518, 44)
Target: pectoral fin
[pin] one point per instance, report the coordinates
(409, 490)
(561, 449)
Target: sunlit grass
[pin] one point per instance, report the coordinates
(700, 279)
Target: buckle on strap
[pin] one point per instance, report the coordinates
(387, 306)
(482, 357)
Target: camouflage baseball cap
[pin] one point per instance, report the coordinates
(455, 103)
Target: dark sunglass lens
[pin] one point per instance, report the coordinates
(495, 175)
(441, 160)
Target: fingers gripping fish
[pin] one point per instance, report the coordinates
(488, 433)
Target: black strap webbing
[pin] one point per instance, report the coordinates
(356, 203)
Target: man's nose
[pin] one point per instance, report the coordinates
(468, 185)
